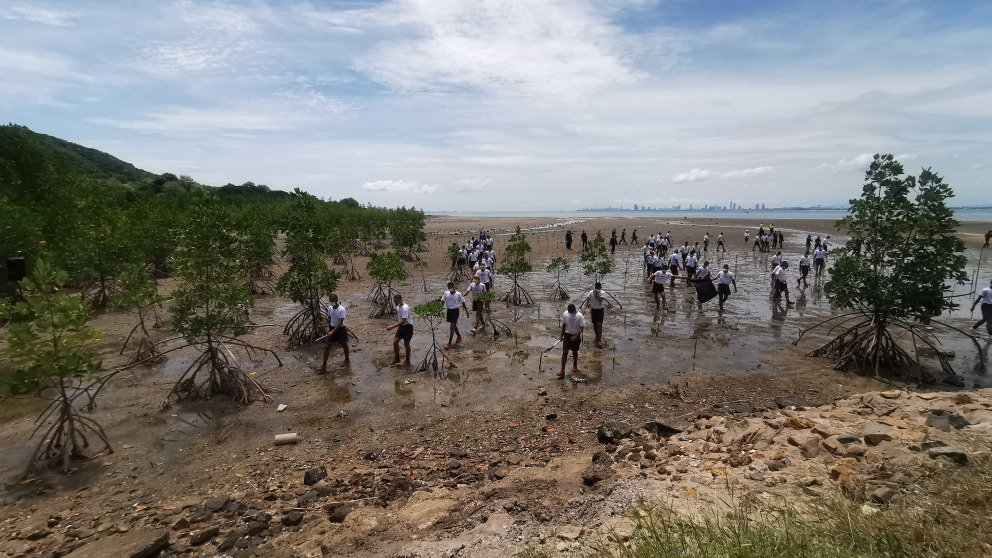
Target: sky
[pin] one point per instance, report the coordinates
(515, 105)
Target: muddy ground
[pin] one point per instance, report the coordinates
(388, 436)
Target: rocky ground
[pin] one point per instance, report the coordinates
(494, 456)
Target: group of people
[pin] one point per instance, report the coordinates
(661, 268)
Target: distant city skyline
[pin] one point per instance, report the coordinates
(447, 105)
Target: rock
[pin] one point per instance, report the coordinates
(813, 491)
(602, 458)
(291, 519)
(610, 448)
(216, 504)
(569, 532)
(204, 535)
(551, 416)
(810, 448)
(798, 423)
(951, 454)
(824, 431)
(458, 452)
(739, 459)
(453, 465)
(499, 473)
(256, 527)
(646, 464)
(371, 455)
(612, 432)
(832, 445)
(883, 495)
(661, 428)
(930, 444)
(181, 524)
(542, 392)
(791, 401)
(308, 498)
(963, 399)
(313, 476)
(136, 543)
(257, 515)
(776, 465)
(848, 439)
(875, 433)
(595, 473)
(756, 476)
(893, 394)
(34, 528)
(854, 450)
(230, 540)
(850, 483)
(942, 420)
(336, 513)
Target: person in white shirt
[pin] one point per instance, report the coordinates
(776, 261)
(673, 266)
(572, 324)
(595, 301)
(452, 299)
(664, 246)
(476, 287)
(819, 260)
(703, 272)
(690, 267)
(719, 242)
(984, 297)
(781, 279)
(657, 281)
(803, 269)
(723, 281)
(485, 277)
(404, 333)
(338, 333)
(747, 238)
(706, 242)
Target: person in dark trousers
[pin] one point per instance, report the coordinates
(613, 244)
(568, 240)
(595, 301)
(572, 324)
(338, 333)
(988, 237)
(623, 237)
(585, 239)
(723, 281)
(809, 242)
(633, 238)
(984, 297)
(452, 299)
(803, 270)
(657, 279)
(404, 333)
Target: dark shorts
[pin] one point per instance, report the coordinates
(818, 262)
(452, 315)
(674, 269)
(569, 345)
(461, 261)
(658, 287)
(690, 271)
(781, 286)
(340, 336)
(723, 289)
(404, 332)
(597, 315)
(477, 306)
(803, 270)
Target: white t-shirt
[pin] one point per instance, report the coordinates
(452, 300)
(702, 273)
(484, 274)
(664, 242)
(335, 315)
(662, 276)
(804, 261)
(691, 261)
(776, 259)
(403, 313)
(476, 288)
(986, 295)
(674, 260)
(595, 303)
(725, 277)
(573, 322)
(685, 248)
(780, 273)
(706, 238)
(820, 254)
(747, 235)
(720, 238)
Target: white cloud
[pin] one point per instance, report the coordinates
(406, 186)
(473, 184)
(744, 173)
(858, 162)
(38, 14)
(552, 50)
(695, 175)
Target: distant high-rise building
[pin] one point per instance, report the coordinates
(762, 207)
(757, 206)
(635, 207)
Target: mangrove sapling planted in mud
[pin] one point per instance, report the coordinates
(498, 327)
(140, 295)
(435, 359)
(308, 277)
(48, 344)
(211, 309)
(385, 268)
(516, 265)
(558, 266)
(256, 243)
(892, 275)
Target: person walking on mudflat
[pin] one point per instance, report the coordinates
(476, 287)
(723, 281)
(338, 333)
(595, 301)
(404, 333)
(568, 240)
(988, 237)
(657, 281)
(572, 324)
(613, 243)
(803, 270)
(452, 299)
(585, 239)
(623, 236)
(984, 297)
